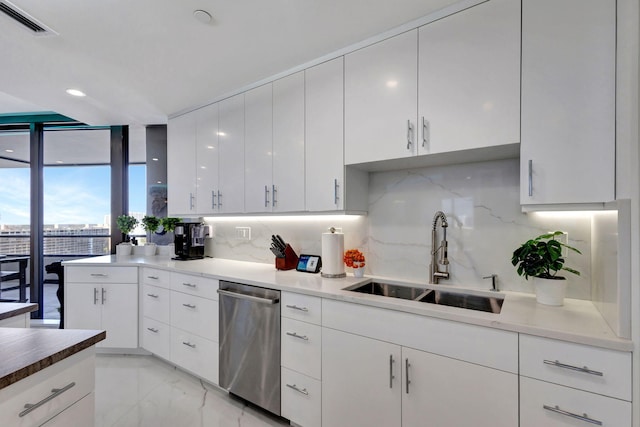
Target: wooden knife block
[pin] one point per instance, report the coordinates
(290, 260)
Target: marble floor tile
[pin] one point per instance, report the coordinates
(145, 391)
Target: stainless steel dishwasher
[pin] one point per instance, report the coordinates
(249, 364)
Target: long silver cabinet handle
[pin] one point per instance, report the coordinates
(295, 307)
(153, 295)
(335, 191)
(583, 417)
(406, 373)
(248, 297)
(189, 305)
(391, 377)
(154, 330)
(55, 392)
(302, 337)
(99, 275)
(266, 196)
(188, 344)
(213, 199)
(274, 193)
(153, 277)
(425, 132)
(584, 369)
(409, 131)
(95, 296)
(104, 295)
(530, 178)
(219, 199)
(191, 204)
(190, 285)
(302, 391)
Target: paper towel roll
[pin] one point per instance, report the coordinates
(332, 253)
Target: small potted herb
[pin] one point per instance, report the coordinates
(541, 258)
(126, 224)
(169, 223)
(150, 224)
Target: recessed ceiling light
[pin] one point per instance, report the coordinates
(8, 150)
(76, 92)
(221, 133)
(59, 161)
(155, 159)
(159, 182)
(202, 16)
(392, 83)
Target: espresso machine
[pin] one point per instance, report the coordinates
(190, 240)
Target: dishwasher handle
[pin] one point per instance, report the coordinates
(231, 294)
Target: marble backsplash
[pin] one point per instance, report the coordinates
(481, 201)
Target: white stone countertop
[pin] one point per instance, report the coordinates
(577, 321)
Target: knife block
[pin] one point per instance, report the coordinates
(290, 260)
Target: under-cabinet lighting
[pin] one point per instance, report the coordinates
(285, 218)
(566, 214)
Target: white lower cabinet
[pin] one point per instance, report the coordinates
(551, 405)
(156, 337)
(195, 354)
(301, 399)
(103, 298)
(71, 404)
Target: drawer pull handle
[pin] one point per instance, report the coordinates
(391, 376)
(189, 305)
(153, 277)
(152, 295)
(95, 296)
(99, 275)
(188, 344)
(573, 368)
(55, 392)
(301, 391)
(154, 330)
(190, 285)
(582, 417)
(295, 307)
(302, 337)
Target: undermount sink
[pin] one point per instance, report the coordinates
(464, 300)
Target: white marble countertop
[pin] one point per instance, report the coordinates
(577, 321)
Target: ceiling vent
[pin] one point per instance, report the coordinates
(28, 22)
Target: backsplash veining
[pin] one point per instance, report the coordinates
(481, 201)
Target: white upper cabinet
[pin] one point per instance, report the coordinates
(258, 111)
(469, 79)
(568, 101)
(324, 158)
(287, 193)
(230, 197)
(207, 159)
(181, 174)
(380, 100)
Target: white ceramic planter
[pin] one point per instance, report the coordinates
(358, 272)
(150, 249)
(550, 291)
(124, 249)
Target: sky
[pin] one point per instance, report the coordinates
(72, 195)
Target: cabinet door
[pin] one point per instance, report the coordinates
(207, 159)
(81, 413)
(324, 138)
(381, 83)
(82, 308)
(449, 392)
(258, 110)
(119, 303)
(568, 101)
(181, 155)
(361, 383)
(469, 79)
(288, 143)
(231, 161)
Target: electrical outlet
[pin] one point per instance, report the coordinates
(243, 233)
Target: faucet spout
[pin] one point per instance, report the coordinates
(435, 274)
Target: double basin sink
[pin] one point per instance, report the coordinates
(465, 300)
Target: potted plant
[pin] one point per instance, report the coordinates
(150, 224)
(169, 223)
(355, 259)
(541, 258)
(126, 223)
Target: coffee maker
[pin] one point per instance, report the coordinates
(189, 240)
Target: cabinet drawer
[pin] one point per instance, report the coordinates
(536, 395)
(81, 413)
(598, 370)
(195, 285)
(156, 303)
(476, 344)
(301, 399)
(194, 314)
(73, 377)
(195, 354)
(99, 274)
(155, 277)
(156, 337)
(301, 347)
(302, 307)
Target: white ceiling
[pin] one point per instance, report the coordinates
(142, 60)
